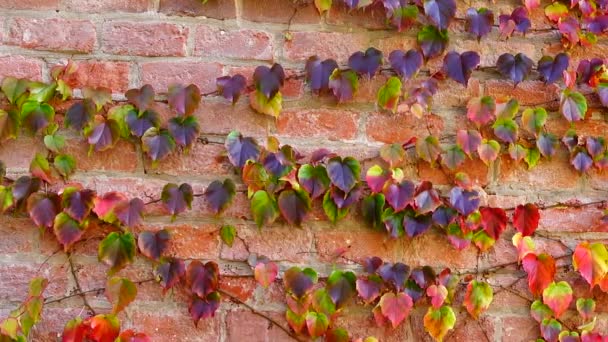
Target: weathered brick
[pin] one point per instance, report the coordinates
(22, 233)
(217, 9)
(529, 93)
(30, 4)
(144, 39)
(519, 328)
(101, 6)
(16, 278)
(17, 154)
(332, 124)
(247, 326)
(338, 46)
(20, 67)
(279, 11)
(577, 220)
(198, 241)
(240, 287)
(122, 157)
(163, 74)
(400, 127)
(242, 44)
(556, 173)
(99, 73)
(370, 17)
(174, 324)
(219, 117)
(65, 35)
(475, 169)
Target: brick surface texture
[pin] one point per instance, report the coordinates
(122, 44)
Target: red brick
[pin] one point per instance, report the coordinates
(280, 12)
(144, 39)
(17, 154)
(360, 244)
(219, 117)
(240, 287)
(360, 324)
(109, 74)
(174, 324)
(122, 157)
(217, 9)
(338, 46)
(20, 67)
(400, 127)
(293, 85)
(322, 123)
(576, 220)
(242, 44)
(477, 171)
(163, 74)
(30, 4)
(519, 328)
(16, 278)
(528, 93)
(55, 34)
(200, 159)
(20, 235)
(193, 241)
(452, 94)
(101, 6)
(247, 326)
(556, 173)
(370, 17)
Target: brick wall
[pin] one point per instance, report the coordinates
(123, 44)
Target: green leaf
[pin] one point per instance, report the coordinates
(119, 115)
(322, 302)
(317, 324)
(323, 5)
(332, 211)
(428, 149)
(39, 167)
(117, 250)
(36, 116)
(573, 105)
(438, 322)
(120, 293)
(532, 157)
(227, 233)
(264, 208)
(534, 119)
(65, 164)
(41, 92)
(13, 88)
(478, 297)
(9, 124)
(54, 142)
(261, 104)
(6, 198)
(389, 94)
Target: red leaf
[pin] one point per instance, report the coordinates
(494, 221)
(103, 328)
(525, 219)
(266, 273)
(541, 271)
(395, 307)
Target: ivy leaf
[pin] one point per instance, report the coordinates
(176, 199)
(478, 297)
(132, 336)
(157, 143)
(432, 41)
(65, 165)
(369, 288)
(440, 12)
(372, 207)
(9, 124)
(141, 122)
(202, 279)
(344, 84)
(458, 239)
(376, 177)
(540, 311)
(438, 295)
(294, 205)
(591, 261)
(534, 119)
(389, 94)
(558, 297)
(266, 105)
(428, 149)
(142, 98)
(36, 116)
(323, 5)
(468, 140)
(479, 22)
(54, 142)
(100, 96)
(464, 201)
(585, 308)
(317, 324)
(117, 250)
(241, 149)
(343, 173)
(541, 271)
(337, 335)
(74, 330)
(341, 286)
(525, 219)
(459, 66)
(401, 15)
(494, 221)
(67, 230)
(394, 274)
(220, 195)
(39, 167)
(405, 64)
(331, 209)
(80, 114)
(399, 195)
(481, 110)
(515, 68)
(517, 20)
(426, 199)
(24, 186)
(556, 11)
(299, 282)
(547, 144)
(120, 293)
(314, 179)
(318, 73)
(506, 129)
(488, 151)
(169, 272)
(103, 328)
(102, 135)
(184, 100)
(203, 308)
(587, 69)
(322, 303)
(13, 88)
(130, 213)
(105, 205)
(581, 161)
(572, 105)
(153, 244)
(78, 203)
(268, 80)
(43, 209)
(437, 322)
(532, 157)
(395, 307)
(296, 322)
(264, 208)
(366, 63)
(416, 225)
(231, 87)
(265, 273)
(552, 69)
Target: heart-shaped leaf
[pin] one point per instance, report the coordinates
(36, 116)
(102, 135)
(314, 179)
(67, 230)
(515, 68)
(169, 272)
(120, 292)
(395, 274)
(202, 279)
(117, 250)
(573, 105)
(534, 119)
(103, 328)
(177, 198)
(318, 73)
(343, 173)
(203, 308)
(395, 307)
(294, 205)
(585, 308)
(494, 221)
(591, 261)
(100, 96)
(341, 286)
(241, 149)
(459, 66)
(157, 143)
(153, 244)
(39, 167)
(231, 87)
(479, 22)
(541, 271)
(438, 295)
(478, 297)
(389, 94)
(458, 239)
(547, 144)
(432, 41)
(299, 282)
(437, 322)
(220, 195)
(540, 311)
(440, 12)
(417, 224)
(405, 64)
(481, 110)
(371, 208)
(184, 100)
(344, 84)
(366, 63)
(468, 140)
(264, 208)
(317, 324)
(43, 209)
(525, 219)
(518, 20)
(488, 151)
(140, 122)
(142, 98)
(399, 195)
(550, 329)
(464, 201)
(265, 273)
(369, 288)
(453, 157)
(552, 69)
(80, 114)
(506, 130)
(268, 80)
(558, 297)
(428, 149)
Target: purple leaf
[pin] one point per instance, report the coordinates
(440, 12)
(459, 66)
(343, 173)
(269, 80)
(369, 288)
(371, 264)
(103, 135)
(344, 200)
(405, 64)
(516, 68)
(184, 129)
(43, 209)
(479, 22)
(552, 69)
(596, 24)
(444, 216)
(318, 73)
(518, 20)
(153, 244)
(400, 195)
(142, 99)
(432, 41)
(581, 161)
(184, 100)
(394, 273)
(468, 140)
(595, 146)
(140, 122)
(231, 87)
(587, 69)
(130, 213)
(416, 225)
(464, 201)
(241, 149)
(157, 143)
(176, 199)
(80, 114)
(203, 308)
(423, 276)
(547, 143)
(343, 84)
(366, 63)
(220, 195)
(294, 206)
